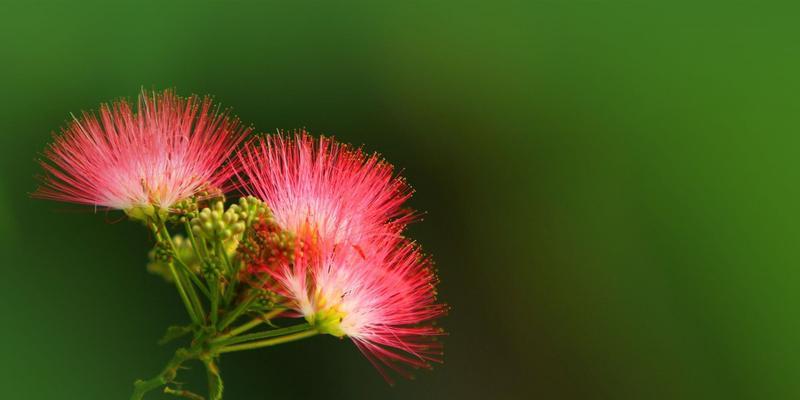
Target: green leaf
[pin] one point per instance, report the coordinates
(174, 332)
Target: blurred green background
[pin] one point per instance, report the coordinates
(610, 187)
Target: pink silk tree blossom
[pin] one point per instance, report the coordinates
(165, 151)
(339, 192)
(312, 242)
(384, 301)
(352, 273)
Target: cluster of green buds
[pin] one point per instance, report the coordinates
(184, 210)
(189, 208)
(146, 213)
(251, 210)
(266, 300)
(216, 223)
(161, 255)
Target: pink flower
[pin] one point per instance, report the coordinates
(167, 150)
(384, 301)
(331, 189)
(351, 272)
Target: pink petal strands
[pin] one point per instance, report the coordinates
(352, 273)
(315, 238)
(337, 191)
(385, 301)
(167, 150)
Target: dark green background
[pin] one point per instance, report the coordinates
(611, 189)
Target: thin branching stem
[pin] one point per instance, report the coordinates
(189, 288)
(269, 342)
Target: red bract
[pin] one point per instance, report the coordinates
(167, 150)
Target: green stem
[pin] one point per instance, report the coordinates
(141, 387)
(232, 272)
(182, 393)
(178, 281)
(194, 278)
(186, 302)
(214, 380)
(269, 342)
(200, 257)
(252, 324)
(236, 312)
(189, 233)
(189, 288)
(261, 335)
(229, 291)
(222, 254)
(214, 286)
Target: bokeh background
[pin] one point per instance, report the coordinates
(610, 188)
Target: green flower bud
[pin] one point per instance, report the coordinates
(162, 255)
(216, 223)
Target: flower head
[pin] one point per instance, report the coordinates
(384, 301)
(331, 189)
(167, 150)
(334, 249)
